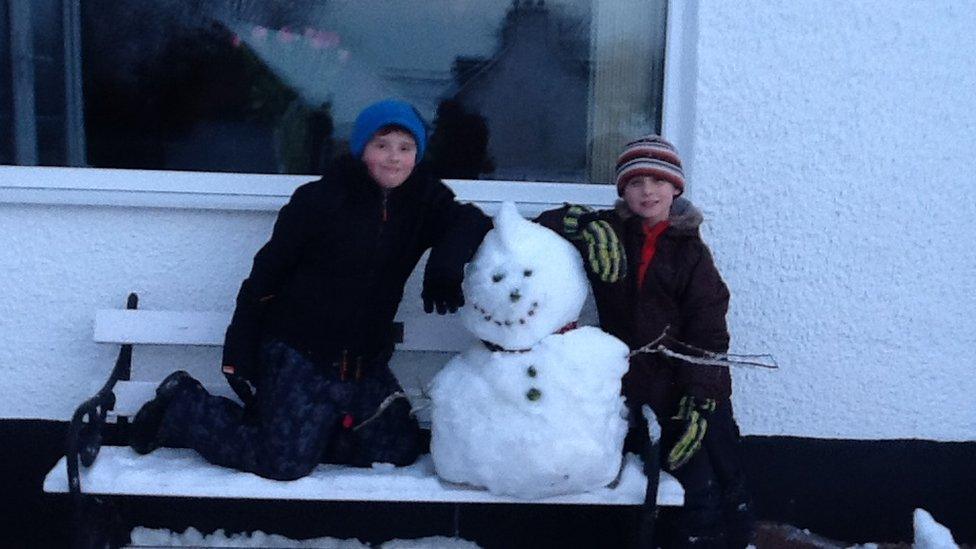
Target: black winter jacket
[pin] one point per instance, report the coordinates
(682, 289)
(332, 274)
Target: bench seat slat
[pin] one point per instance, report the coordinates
(170, 472)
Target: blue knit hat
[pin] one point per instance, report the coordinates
(390, 112)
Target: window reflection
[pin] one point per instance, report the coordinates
(514, 90)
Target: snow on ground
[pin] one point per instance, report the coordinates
(430, 543)
(147, 537)
(930, 534)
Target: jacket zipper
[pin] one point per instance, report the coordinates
(371, 274)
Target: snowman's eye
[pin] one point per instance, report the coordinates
(527, 273)
(497, 277)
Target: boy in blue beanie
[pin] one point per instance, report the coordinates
(313, 329)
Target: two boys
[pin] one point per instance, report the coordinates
(313, 326)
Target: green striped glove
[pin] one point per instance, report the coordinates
(694, 412)
(605, 255)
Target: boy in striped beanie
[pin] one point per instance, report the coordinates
(652, 274)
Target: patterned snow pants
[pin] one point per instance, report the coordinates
(717, 512)
(303, 415)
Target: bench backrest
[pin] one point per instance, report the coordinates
(145, 327)
(148, 327)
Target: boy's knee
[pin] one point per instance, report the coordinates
(279, 460)
(286, 470)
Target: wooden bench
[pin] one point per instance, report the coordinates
(91, 471)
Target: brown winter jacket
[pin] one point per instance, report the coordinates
(682, 289)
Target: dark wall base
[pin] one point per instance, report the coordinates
(856, 491)
(28, 450)
(863, 491)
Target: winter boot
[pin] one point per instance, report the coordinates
(145, 425)
(738, 515)
(699, 524)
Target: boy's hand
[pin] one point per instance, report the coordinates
(240, 385)
(442, 293)
(605, 255)
(694, 412)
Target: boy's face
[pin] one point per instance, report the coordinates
(390, 157)
(649, 198)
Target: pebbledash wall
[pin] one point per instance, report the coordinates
(829, 145)
(833, 157)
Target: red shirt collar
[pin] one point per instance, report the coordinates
(656, 229)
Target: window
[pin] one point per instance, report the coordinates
(6, 107)
(512, 89)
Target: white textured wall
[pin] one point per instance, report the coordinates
(834, 158)
(61, 263)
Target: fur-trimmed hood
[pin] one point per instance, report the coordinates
(684, 217)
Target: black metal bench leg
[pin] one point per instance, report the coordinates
(652, 470)
(457, 520)
(648, 511)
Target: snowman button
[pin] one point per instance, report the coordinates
(533, 394)
(531, 371)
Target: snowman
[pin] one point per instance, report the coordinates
(534, 409)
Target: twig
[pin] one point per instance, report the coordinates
(744, 357)
(717, 359)
(382, 407)
(652, 346)
(708, 358)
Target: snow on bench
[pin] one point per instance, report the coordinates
(170, 472)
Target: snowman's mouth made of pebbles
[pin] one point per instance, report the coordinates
(507, 322)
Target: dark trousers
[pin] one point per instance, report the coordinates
(717, 512)
(303, 414)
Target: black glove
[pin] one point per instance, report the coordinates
(239, 384)
(443, 293)
(605, 256)
(693, 412)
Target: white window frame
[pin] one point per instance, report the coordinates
(263, 192)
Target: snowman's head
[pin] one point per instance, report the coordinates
(524, 283)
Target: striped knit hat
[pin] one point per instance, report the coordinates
(650, 155)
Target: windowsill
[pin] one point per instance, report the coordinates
(248, 192)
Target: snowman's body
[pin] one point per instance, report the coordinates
(536, 409)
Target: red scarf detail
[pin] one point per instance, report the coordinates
(566, 328)
(498, 348)
(651, 234)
